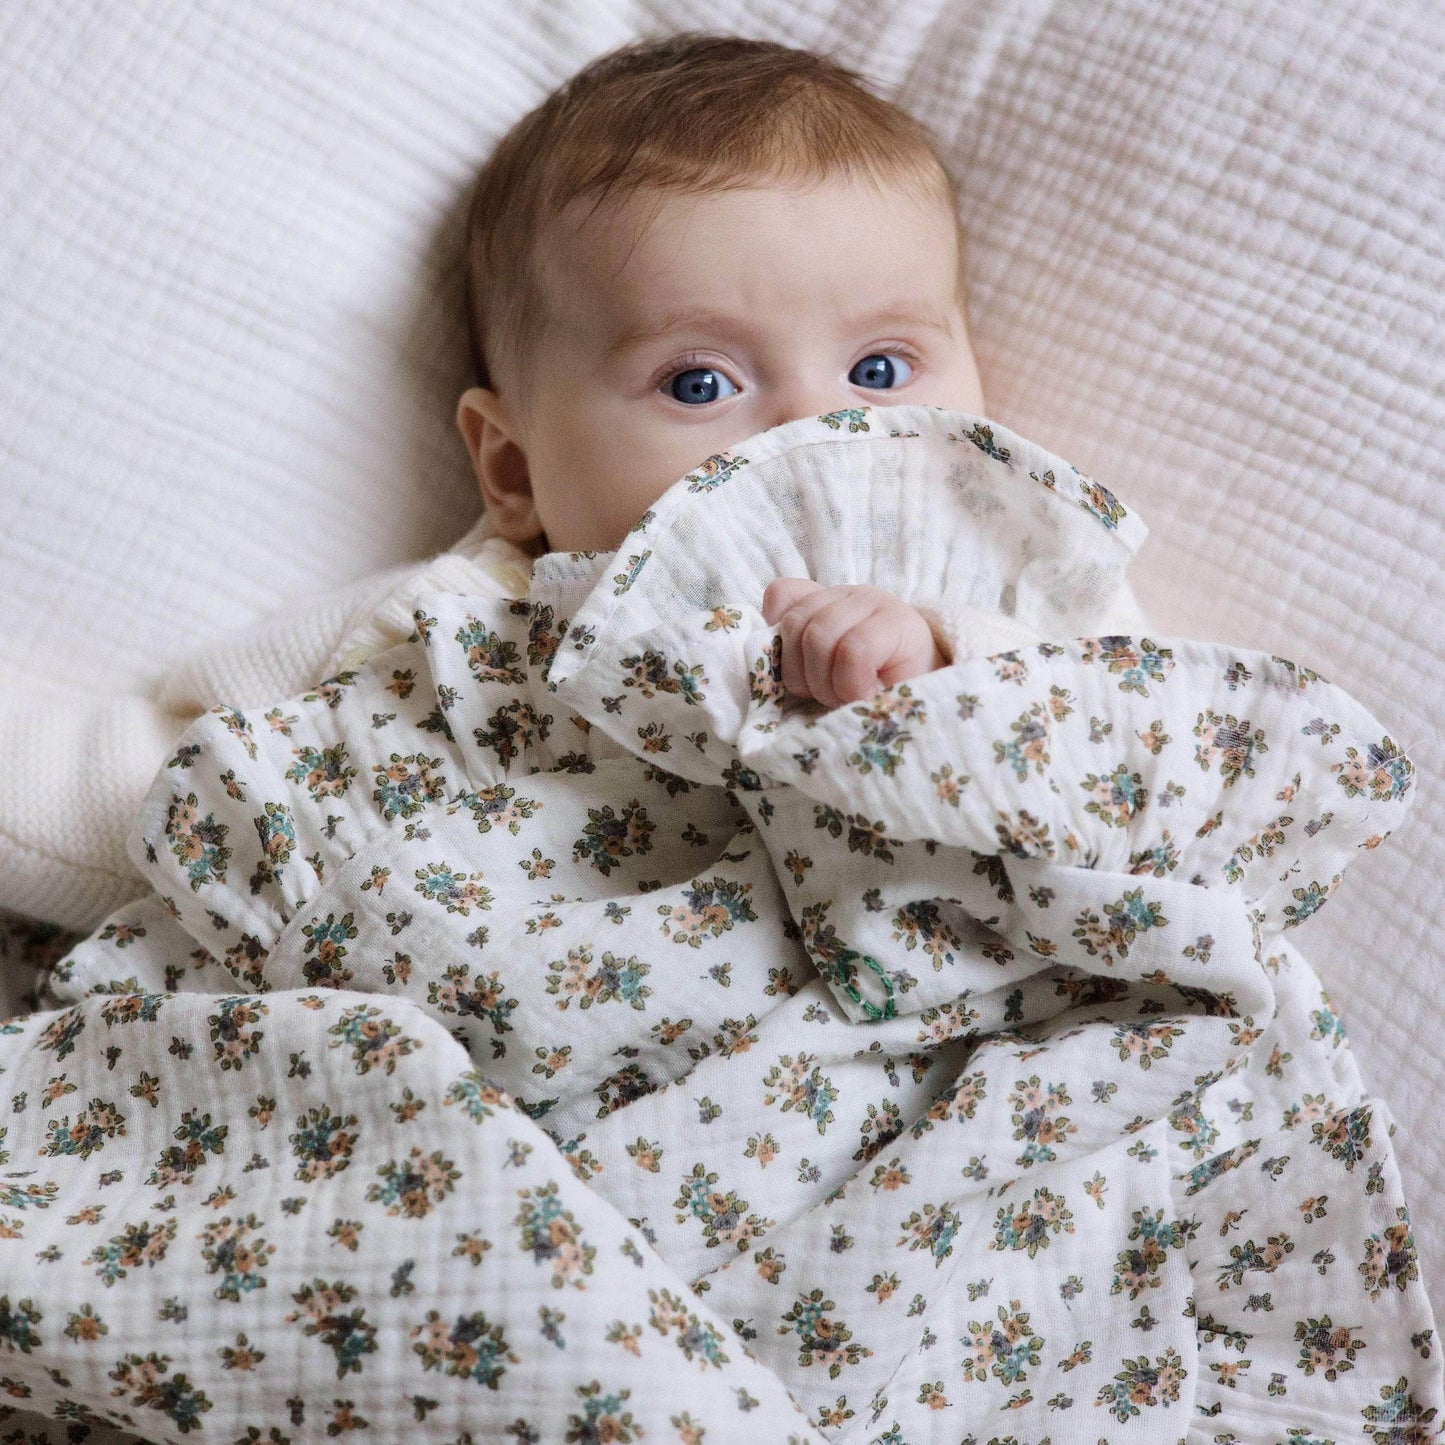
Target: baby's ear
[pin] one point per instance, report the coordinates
(500, 462)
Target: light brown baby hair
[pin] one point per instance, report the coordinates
(690, 113)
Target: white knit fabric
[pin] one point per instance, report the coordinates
(75, 766)
(962, 632)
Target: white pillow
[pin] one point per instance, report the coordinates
(1205, 266)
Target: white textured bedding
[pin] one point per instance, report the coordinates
(1203, 235)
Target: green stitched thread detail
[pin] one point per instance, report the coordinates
(888, 1011)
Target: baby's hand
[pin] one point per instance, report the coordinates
(844, 643)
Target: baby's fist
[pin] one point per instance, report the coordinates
(844, 643)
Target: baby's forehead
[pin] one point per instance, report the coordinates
(618, 251)
(780, 268)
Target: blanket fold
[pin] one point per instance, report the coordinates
(765, 1070)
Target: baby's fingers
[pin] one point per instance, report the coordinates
(783, 593)
(860, 657)
(824, 626)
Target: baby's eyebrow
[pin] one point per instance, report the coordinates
(901, 316)
(715, 322)
(637, 336)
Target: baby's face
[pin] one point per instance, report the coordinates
(681, 324)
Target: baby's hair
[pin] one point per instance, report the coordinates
(690, 113)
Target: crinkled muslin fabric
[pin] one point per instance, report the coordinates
(550, 1030)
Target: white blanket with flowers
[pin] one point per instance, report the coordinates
(550, 1031)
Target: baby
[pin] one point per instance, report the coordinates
(692, 241)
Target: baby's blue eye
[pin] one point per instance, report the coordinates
(880, 372)
(700, 386)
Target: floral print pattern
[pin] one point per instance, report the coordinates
(554, 1031)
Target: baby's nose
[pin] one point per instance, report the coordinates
(802, 400)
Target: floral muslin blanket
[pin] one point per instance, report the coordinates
(551, 1031)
